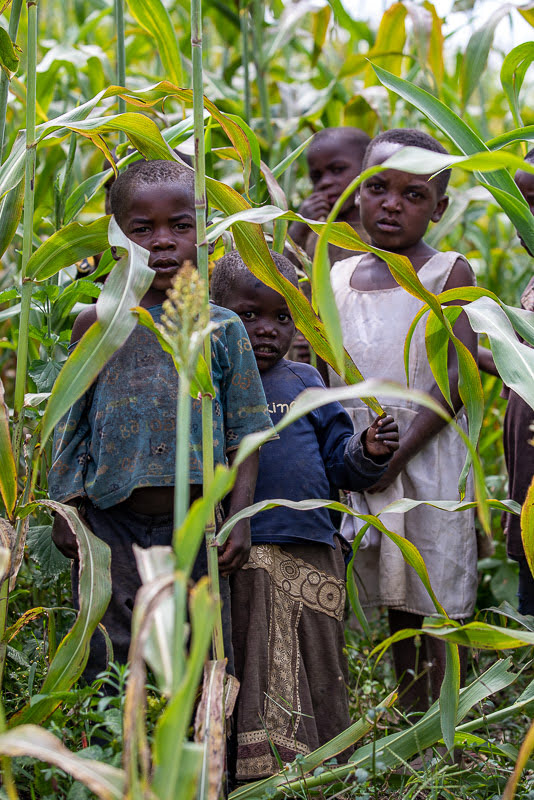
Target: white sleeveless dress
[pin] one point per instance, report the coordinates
(375, 325)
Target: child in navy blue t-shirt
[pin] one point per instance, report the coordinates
(288, 600)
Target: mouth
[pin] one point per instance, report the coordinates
(388, 225)
(165, 265)
(265, 350)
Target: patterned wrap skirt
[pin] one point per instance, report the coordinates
(287, 630)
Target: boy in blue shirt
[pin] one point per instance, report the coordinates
(288, 600)
(114, 451)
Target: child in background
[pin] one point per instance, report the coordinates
(518, 433)
(396, 208)
(288, 600)
(114, 451)
(334, 158)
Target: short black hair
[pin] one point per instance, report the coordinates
(231, 266)
(354, 137)
(148, 173)
(409, 137)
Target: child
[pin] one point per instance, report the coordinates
(114, 452)
(518, 434)
(288, 600)
(335, 158)
(396, 208)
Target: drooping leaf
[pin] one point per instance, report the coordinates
(390, 41)
(30, 740)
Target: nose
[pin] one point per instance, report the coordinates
(324, 182)
(264, 327)
(391, 201)
(162, 239)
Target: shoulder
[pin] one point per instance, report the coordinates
(223, 316)
(461, 273)
(342, 270)
(82, 323)
(230, 333)
(307, 375)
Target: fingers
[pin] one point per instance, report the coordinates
(231, 559)
(315, 206)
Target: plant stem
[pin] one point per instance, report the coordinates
(181, 506)
(121, 57)
(245, 55)
(29, 201)
(14, 18)
(258, 12)
(202, 262)
(7, 774)
(4, 600)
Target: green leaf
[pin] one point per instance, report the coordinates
(8, 469)
(513, 73)
(476, 55)
(45, 373)
(449, 694)
(95, 592)
(525, 134)
(10, 215)
(126, 285)
(154, 18)
(527, 526)
(390, 41)
(67, 246)
(311, 399)
(84, 192)
(42, 550)
(9, 60)
(514, 360)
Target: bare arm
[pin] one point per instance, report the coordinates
(427, 424)
(234, 552)
(82, 323)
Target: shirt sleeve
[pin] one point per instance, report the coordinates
(346, 467)
(244, 404)
(70, 452)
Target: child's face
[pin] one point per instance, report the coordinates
(525, 184)
(161, 218)
(396, 207)
(266, 317)
(332, 166)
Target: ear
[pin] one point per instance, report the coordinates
(440, 209)
(115, 253)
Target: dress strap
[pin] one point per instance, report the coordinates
(435, 273)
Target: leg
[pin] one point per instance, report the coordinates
(410, 662)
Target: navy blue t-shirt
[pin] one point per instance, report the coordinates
(305, 461)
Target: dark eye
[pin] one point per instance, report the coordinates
(412, 194)
(284, 317)
(141, 229)
(374, 186)
(183, 226)
(337, 170)
(315, 176)
(248, 315)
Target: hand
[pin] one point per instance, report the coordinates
(234, 553)
(63, 537)
(382, 438)
(316, 206)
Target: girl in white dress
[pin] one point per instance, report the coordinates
(396, 208)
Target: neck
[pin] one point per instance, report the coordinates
(154, 297)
